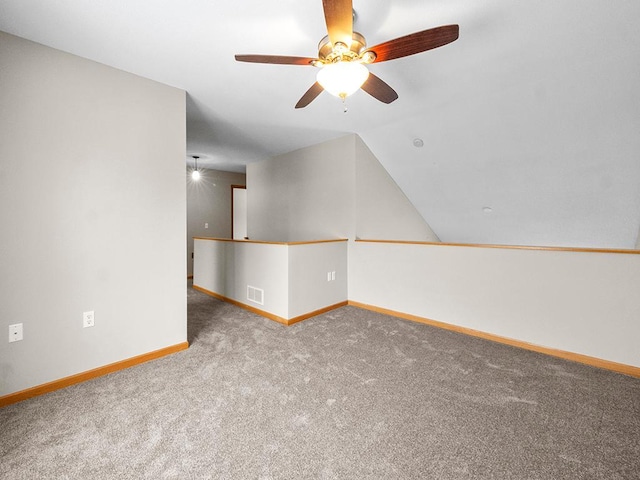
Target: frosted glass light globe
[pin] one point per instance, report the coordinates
(342, 78)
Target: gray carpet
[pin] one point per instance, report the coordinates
(349, 394)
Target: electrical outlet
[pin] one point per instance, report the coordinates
(88, 319)
(328, 276)
(206, 225)
(333, 275)
(15, 332)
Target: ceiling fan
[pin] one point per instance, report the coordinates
(343, 54)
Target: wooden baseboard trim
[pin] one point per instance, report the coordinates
(316, 312)
(89, 374)
(574, 357)
(268, 315)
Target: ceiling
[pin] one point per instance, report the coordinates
(530, 120)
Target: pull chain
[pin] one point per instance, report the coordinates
(344, 103)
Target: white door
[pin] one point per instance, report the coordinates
(239, 212)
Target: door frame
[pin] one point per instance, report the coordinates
(233, 187)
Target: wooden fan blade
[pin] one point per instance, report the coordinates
(379, 89)
(311, 94)
(275, 59)
(415, 43)
(338, 15)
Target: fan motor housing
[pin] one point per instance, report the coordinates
(328, 53)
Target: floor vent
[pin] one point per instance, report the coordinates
(255, 295)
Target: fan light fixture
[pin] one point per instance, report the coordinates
(343, 55)
(342, 78)
(195, 175)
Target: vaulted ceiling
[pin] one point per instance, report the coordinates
(530, 121)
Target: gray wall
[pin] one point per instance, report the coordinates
(209, 202)
(306, 194)
(581, 302)
(336, 189)
(383, 211)
(92, 214)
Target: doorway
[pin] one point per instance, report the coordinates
(239, 212)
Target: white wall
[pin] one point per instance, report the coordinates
(584, 303)
(209, 206)
(92, 214)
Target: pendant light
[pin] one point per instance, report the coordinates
(195, 175)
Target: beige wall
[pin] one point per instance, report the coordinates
(92, 214)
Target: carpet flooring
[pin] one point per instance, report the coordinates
(350, 394)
